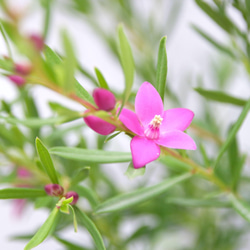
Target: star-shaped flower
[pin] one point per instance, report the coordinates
(155, 127)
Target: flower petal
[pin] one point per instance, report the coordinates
(130, 120)
(143, 151)
(148, 103)
(176, 119)
(176, 139)
(98, 125)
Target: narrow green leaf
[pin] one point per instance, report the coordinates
(6, 65)
(233, 132)
(162, 68)
(83, 93)
(46, 161)
(47, 8)
(70, 245)
(137, 197)
(90, 226)
(21, 193)
(69, 64)
(5, 40)
(132, 172)
(240, 207)
(74, 217)
(88, 155)
(197, 202)
(237, 172)
(51, 57)
(103, 83)
(174, 164)
(80, 175)
(39, 122)
(220, 97)
(127, 63)
(216, 44)
(43, 232)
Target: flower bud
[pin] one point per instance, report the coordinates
(38, 41)
(18, 80)
(75, 197)
(54, 189)
(104, 99)
(23, 173)
(98, 125)
(23, 69)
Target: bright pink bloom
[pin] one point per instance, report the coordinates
(153, 126)
(75, 197)
(18, 80)
(105, 100)
(54, 189)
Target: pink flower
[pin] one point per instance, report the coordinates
(105, 100)
(155, 127)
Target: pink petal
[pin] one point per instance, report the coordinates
(130, 120)
(98, 125)
(176, 139)
(148, 103)
(143, 151)
(176, 119)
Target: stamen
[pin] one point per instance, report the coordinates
(153, 130)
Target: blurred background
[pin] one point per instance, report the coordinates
(192, 62)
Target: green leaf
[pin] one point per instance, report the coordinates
(70, 245)
(69, 64)
(197, 202)
(124, 201)
(47, 9)
(21, 193)
(51, 57)
(220, 97)
(46, 161)
(74, 218)
(83, 93)
(81, 174)
(43, 232)
(174, 164)
(127, 63)
(216, 44)
(240, 207)
(90, 155)
(101, 79)
(162, 68)
(90, 226)
(6, 65)
(39, 122)
(233, 132)
(132, 172)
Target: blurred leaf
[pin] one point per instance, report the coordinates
(43, 232)
(87, 194)
(21, 193)
(69, 64)
(132, 172)
(101, 79)
(83, 93)
(162, 68)
(90, 226)
(197, 202)
(74, 217)
(127, 63)
(174, 163)
(220, 97)
(215, 43)
(233, 132)
(6, 65)
(238, 171)
(80, 175)
(47, 8)
(40, 122)
(5, 40)
(62, 110)
(46, 161)
(70, 245)
(240, 207)
(137, 197)
(51, 57)
(90, 155)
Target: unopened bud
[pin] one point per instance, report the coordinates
(104, 99)
(54, 190)
(98, 125)
(23, 173)
(75, 197)
(38, 41)
(23, 69)
(18, 80)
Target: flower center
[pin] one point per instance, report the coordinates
(153, 130)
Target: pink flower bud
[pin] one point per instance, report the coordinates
(104, 99)
(54, 189)
(18, 80)
(23, 69)
(75, 197)
(38, 41)
(98, 125)
(23, 173)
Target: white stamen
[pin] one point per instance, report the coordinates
(156, 122)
